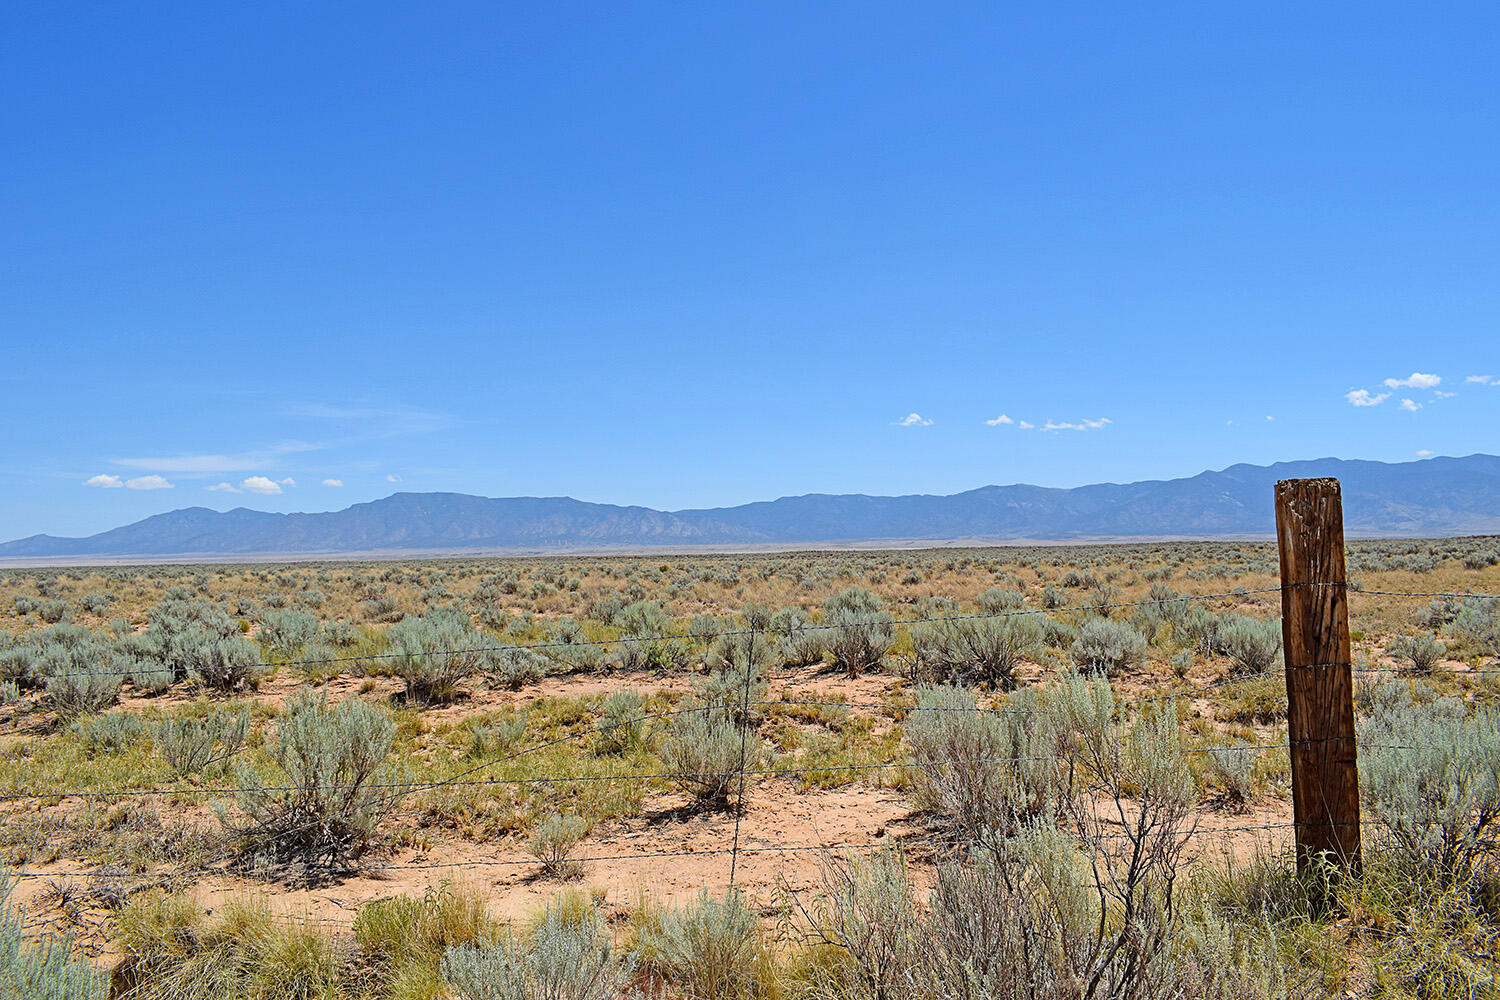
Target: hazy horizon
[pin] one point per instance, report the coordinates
(394, 491)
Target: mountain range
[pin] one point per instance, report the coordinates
(1434, 497)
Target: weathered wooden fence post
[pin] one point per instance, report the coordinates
(1319, 676)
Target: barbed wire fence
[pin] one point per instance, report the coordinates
(393, 793)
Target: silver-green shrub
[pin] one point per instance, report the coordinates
(1163, 610)
(340, 634)
(708, 949)
(287, 633)
(197, 639)
(41, 970)
(85, 685)
(433, 653)
(569, 646)
(226, 664)
(705, 752)
(647, 642)
(998, 600)
(111, 732)
(1251, 643)
(1234, 767)
(705, 628)
(1420, 652)
(553, 841)
(867, 911)
(148, 676)
(859, 630)
(1430, 777)
(1476, 626)
(189, 744)
(516, 666)
(796, 644)
(990, 772)
(738, 684)
(622, 725)
(329, 790)
(565, 958)
(1030, 918)
(1107, 646)
(977, 650)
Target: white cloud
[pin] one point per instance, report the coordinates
(391, 477)
(1064, 425)
(288, 481)
(1364, 397)
(1001, 419)
(221, 488)
(1416, 380)
(913, 420)
(1026, 425)
(1424, 453)
(1082, 425)
(333, 482)
(1481, 379)
(262, 485)
(104, 482)
(1440, 394)
(147, 483)
(1410, 406)
(1268, 417)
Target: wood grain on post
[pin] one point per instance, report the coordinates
(1319, 681)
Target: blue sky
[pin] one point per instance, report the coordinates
(689, 255)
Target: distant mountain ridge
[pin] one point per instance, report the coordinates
(1438, 496)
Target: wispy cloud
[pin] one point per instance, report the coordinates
(245, 461)
(261, 485)
(333, 482)
(1364, 397)
(1082, 425)
(1410, 405)
(375, 421)
(108, 482)
(221, 488)
(1481, 379)
(391, 477)
(1052, 425)
(1416, 380)
(1423, 453)
(367, 423)
(913, 420)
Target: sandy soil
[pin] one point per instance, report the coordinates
(668, 853)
